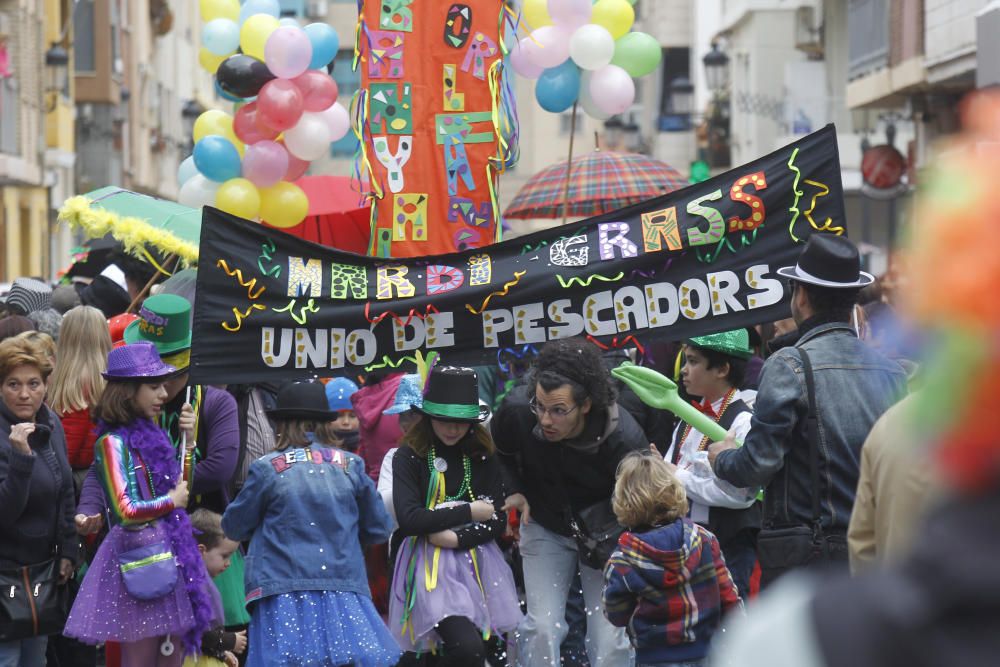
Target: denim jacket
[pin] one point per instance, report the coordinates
(307, 511)
(854, 386)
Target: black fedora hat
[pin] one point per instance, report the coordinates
(302, 400)
(829, 261)
(452, 394)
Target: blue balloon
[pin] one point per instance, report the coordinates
(227, 96)
(221, 36)
(217, 159)
(186, 170)
(558, 87)
(324, 42)
(251, 7)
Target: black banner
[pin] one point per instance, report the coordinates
(703, 259)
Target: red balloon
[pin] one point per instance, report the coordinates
(319, 90)
(248, 128)
(296, 167)
(279, 105)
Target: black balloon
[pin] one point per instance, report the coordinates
(242, 75)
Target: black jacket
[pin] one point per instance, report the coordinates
(37, 500)
(553, 476)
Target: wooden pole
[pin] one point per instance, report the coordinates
(169, 265)
(569, 164)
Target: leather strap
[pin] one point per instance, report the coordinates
(814, 435)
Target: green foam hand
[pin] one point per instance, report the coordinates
(659, 391)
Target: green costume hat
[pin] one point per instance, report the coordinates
(735, 343)
(165, 321)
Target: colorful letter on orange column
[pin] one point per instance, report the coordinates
(427, 69)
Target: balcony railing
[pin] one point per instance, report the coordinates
(868, 36)
(10, 113)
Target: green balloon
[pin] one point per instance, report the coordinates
(637, 53)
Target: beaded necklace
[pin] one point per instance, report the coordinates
(703, 445)
(466, 487)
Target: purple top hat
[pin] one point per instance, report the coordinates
(138, 361)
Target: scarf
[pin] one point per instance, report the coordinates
(348, 439)
(151, 444)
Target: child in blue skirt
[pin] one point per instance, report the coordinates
(307, 509)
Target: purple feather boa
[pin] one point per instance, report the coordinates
(150, 442)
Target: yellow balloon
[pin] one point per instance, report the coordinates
(209, 61)
(239, 197)
(212, 121)
(254, 34)
(536, 13)
(617, 16)
(219, 9)
(283, 205)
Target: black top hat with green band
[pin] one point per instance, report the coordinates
(165, 321)
(452, 394)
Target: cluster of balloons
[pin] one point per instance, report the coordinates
(286, 112)
(583, 51)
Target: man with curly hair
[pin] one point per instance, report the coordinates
(561, 437)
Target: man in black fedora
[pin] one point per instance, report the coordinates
(808, 467)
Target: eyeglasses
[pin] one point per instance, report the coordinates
(556, 413)
(789, 288)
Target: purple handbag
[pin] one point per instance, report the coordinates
(149, 572)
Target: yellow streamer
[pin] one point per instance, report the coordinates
(240, 316)
(828, 225)
(149, 258)
(249, 284)
(503, 292)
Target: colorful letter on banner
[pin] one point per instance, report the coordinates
(427, 67)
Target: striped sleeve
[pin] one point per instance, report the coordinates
(120, 486)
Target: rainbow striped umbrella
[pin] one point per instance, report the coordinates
(599, 182)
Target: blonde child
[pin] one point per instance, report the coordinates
(667, 582)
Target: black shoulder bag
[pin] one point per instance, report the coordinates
(32, 603)
(595, 529)
(782, 549)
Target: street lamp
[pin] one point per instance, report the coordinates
(716, 69)
(56, 75)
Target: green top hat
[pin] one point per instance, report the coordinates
(165, 321)
(735, 343)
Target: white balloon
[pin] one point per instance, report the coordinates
(591, 47)
(337, 119)
(587, 102)
(186, 170)
(310, 138)
(198, 191)
(552, 46)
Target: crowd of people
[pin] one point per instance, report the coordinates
(455, 518)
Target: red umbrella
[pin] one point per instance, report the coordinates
(599, 182)
(337, 218)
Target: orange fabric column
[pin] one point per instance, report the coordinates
(428, 123)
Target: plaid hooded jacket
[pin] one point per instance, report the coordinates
(669, 586)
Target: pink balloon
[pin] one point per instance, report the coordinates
(287, 52)
(279, 104)
(570, 14)
(265, 163)
(319, 90)
(296, 167)
(247, 125)
(552, 48)
(522, 59)
(338, 120)
(612, 89)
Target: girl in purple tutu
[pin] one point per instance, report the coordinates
(147, 587)
(451, 588)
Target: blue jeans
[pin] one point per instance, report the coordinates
(24, 652)
(550, 563)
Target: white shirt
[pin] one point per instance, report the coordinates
(384, 485)
(704, 489)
